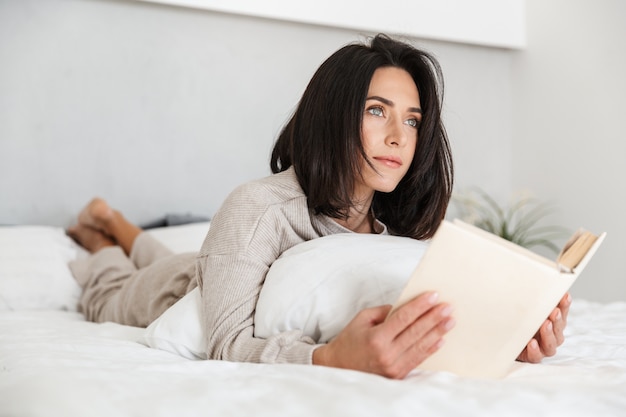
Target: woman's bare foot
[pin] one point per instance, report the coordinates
(97, 215)
(91, 239)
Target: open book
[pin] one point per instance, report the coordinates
(501, 294)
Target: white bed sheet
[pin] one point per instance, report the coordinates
(53, 363)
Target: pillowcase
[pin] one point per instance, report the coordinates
(33, 269)
(182, 238)
(316, 287)
(320, 285)
(179, 329)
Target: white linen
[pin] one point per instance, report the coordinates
(33, 269)
(53, 363)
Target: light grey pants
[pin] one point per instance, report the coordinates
(133, 290)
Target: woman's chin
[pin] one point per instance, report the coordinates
(387, 187)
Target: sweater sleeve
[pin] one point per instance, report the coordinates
(247, 234)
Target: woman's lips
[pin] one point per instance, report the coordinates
(390, 161)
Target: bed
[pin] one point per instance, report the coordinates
(54, 363)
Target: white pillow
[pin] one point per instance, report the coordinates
(320, 285)
(178, 329)
(182, 238)
(34, 273)
(33, 269)
(317, 287)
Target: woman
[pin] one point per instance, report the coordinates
(364, 152)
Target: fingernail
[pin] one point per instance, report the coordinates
(549, 326)
(558, 314)
(534, 344)
(446, 311)
(432, 298)
(449, 324)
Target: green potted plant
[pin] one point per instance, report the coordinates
(522, 221)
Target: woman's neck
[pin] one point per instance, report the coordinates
(360, 218)
(358, 224)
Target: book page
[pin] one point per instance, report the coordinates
(575, 249)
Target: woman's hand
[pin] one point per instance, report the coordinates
(550, 334)
(392, 347)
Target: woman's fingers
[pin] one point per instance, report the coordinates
(425, 332)
(543, 344)
(405, 315)
(552, 332)
(564, 306)
(416, 349)
(416, 331)
(550, 335)
(558, 325)
(532, 353)
(389, 344)
(547, 339)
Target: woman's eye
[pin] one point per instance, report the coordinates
(413, 122)
(375, 111)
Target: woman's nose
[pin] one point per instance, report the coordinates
(396, 134)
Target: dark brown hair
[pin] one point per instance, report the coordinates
(322, 140)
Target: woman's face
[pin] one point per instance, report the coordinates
(389, 131)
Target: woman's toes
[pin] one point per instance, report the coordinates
(96, 214)
(91, 239)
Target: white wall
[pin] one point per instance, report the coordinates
(165, 109)
(569, 146)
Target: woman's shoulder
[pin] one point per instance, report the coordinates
(274, 189)
(254, 217)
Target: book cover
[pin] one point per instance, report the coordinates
(501, 294)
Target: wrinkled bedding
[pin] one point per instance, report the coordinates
(54, 363)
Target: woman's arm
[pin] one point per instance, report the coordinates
(251, 229)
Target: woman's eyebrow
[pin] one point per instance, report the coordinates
(391, 103)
